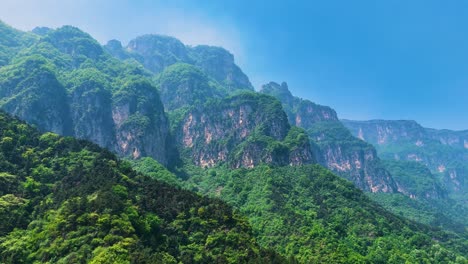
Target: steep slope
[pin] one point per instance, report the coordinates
(157, 52)
(336, 148)
(243, 130)
(68, 84)
(444, 152)
(69, 201)
(318, 217)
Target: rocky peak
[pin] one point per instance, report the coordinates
(41, 31)
(157, 51)
(302, 113)
(114, 47)
(219, 64)
(279, 91)
(74, 42)
(141, 126)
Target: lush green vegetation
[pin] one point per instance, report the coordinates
(416, 179)
(69, 201)
(12, 41)
(309, 213)
(424, 200)
(446, 214)
(183, 85)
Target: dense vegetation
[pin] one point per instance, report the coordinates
(431, 164)
(308, 212)
(64, 200)
(69, 201)
(183, 84)
(422, 199)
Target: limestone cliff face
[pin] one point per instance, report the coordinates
(142, 129)
(243, 131)
(333, 144)
(301, 113)
(442, 151)
(64, 83)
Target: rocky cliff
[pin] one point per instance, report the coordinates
(242, 131)
(157, 52)
(335, 147)
(442, 151)
(67, 83)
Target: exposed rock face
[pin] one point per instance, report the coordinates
(333, 144)
(301, 113)
(379, 132)
(157, 52)
(142, 128)
(442, 151)
(82, 99)
(244, 131)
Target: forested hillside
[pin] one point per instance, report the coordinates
(191, 165)
(69, 201)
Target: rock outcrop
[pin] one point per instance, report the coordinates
(242, 131)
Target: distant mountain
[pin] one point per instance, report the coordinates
(157, 52)
(444, 152)
(428, 165)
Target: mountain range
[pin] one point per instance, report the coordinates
(209, 170)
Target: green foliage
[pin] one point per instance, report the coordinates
(68, 201)
(184, 85)
(12, 41)
(155, 170)
(309, 213)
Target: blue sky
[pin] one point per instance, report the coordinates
(395, 59)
